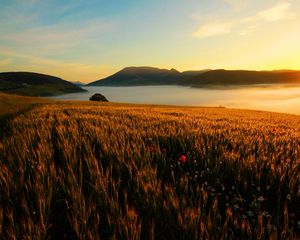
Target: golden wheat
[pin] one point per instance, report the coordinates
(113, 171)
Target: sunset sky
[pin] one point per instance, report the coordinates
(83, 40)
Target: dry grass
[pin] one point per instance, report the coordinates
(112, 171)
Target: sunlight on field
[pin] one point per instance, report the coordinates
(114, 171)
(12, 104)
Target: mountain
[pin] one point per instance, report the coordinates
(78, 83)
(223, 77)
(35, 84)
(135, 76)
(194, 73)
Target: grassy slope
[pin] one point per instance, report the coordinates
(13, 104)
(35, 84)
(91, 170)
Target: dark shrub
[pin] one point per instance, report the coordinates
(98, 97)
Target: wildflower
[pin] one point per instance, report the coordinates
(182, 159)
(274, 129)
(258, 189)
(289, 197)
(272, 167)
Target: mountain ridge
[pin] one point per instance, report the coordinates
(140, 76)
(224, 77)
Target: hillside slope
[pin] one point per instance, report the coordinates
(135, 76)
(35, 84)
(242, 77)
(11, 104)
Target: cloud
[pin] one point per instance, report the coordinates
(43, 27)
(247, 30)
(59, 37)
(68, 70)
(34, 60)
(247, 25)
(278, 12)
(213, 29)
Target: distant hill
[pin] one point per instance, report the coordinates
(135, 76)
(241, 77)
(79, 84)
(35, 84)
(194, 73)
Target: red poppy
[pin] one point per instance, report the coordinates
(274, 130)
(182, 159)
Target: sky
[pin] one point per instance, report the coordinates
(81, 40)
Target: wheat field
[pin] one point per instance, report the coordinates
(78, 170)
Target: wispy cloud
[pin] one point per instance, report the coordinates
(247, 29)
(43, 36)
(71, 70)
(59, 37)
(280, 11)
(213, 29)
